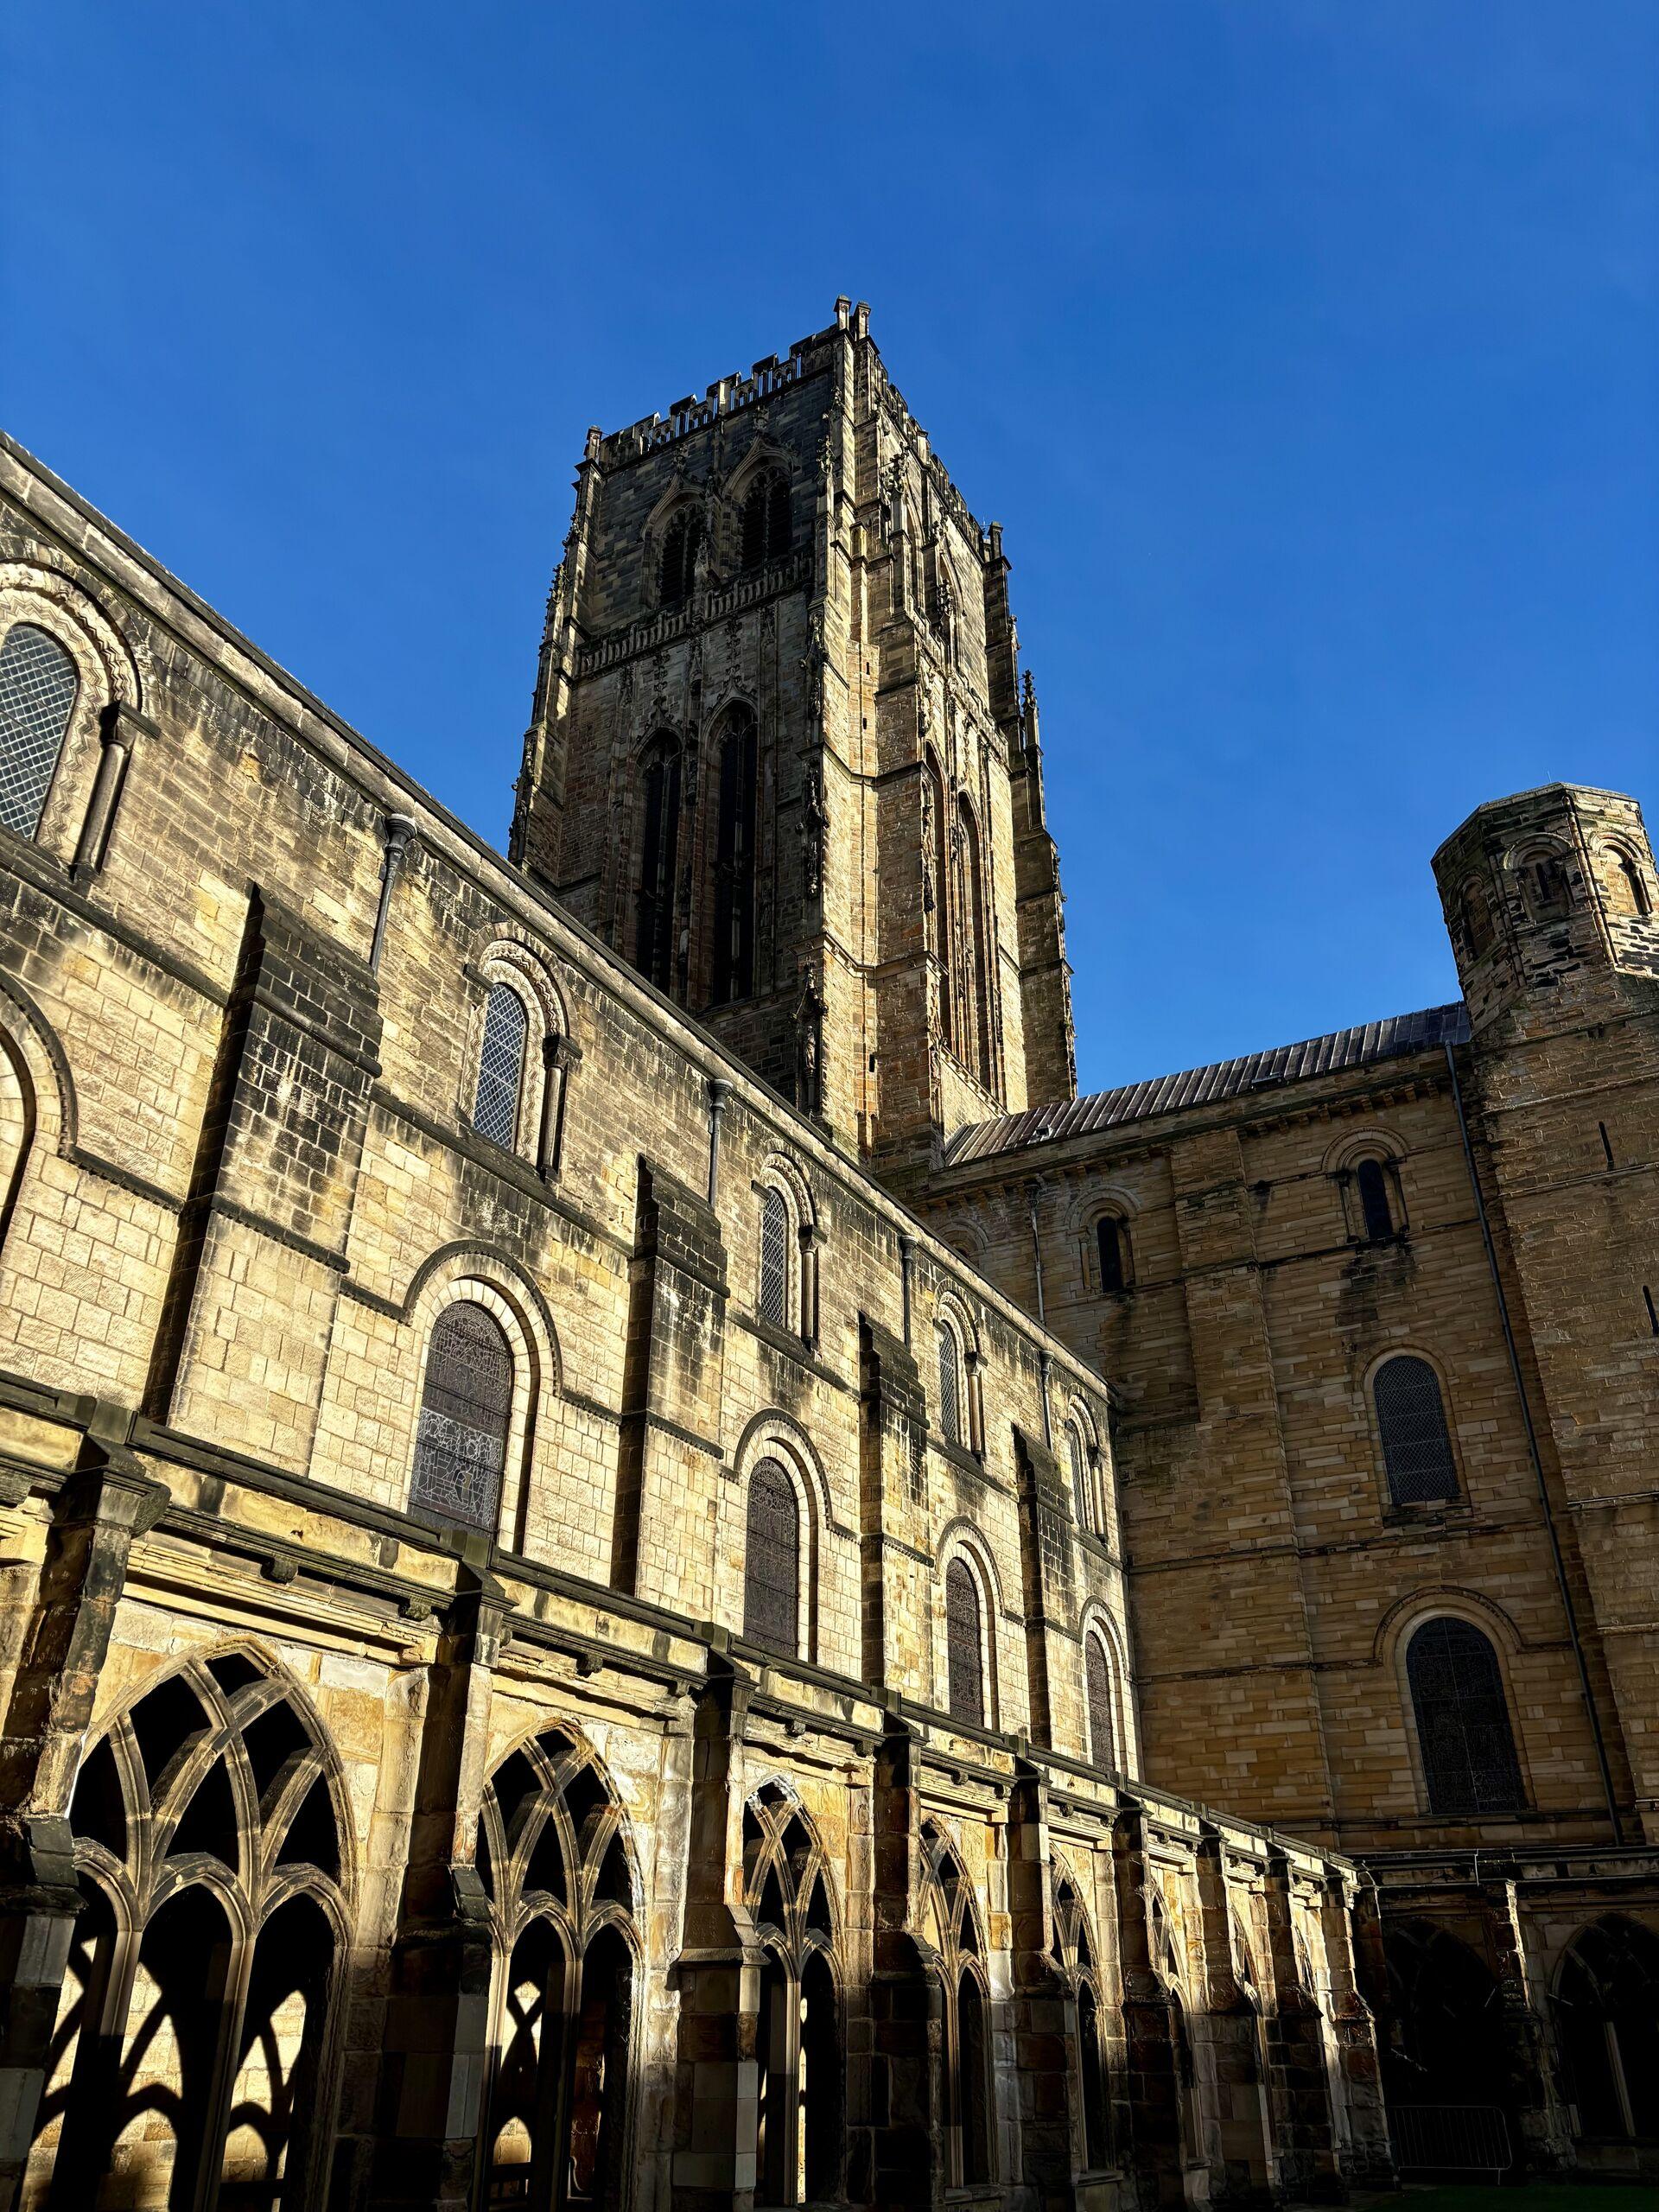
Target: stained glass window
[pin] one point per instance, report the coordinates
(1463, 1719)
(964, 1653)
(38, 684)
(460, 1446)
(771, 1559)
(1411, 1421)
(500, 1066)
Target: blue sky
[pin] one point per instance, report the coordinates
(1305, 350)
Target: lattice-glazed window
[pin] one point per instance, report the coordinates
(1411, 1421)
(1463, 1721)
(1111, 1244)
(38, 684)
(950, 1385)
(680, 548)
(659, 843)
(734, 862)
(460, 1446)
(1080, 1483)
(772, 1561)
(1097, 1668)
(1371, 1181)
(501, 1066)
(774, 1260)
(765, 523)
(964, 1652)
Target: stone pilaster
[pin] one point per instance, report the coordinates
(436, 2054)
(104, 1503)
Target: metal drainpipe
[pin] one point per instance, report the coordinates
(1034, 1191)
(1535, 1456)
(719, 1091)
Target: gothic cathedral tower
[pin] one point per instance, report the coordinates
(780, 758)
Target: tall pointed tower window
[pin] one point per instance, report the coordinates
(653, 952)
(735, 861)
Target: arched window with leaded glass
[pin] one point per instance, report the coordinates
(1411, 1424)
(38, 684)
(964, 1645)
(1464, 1736)
(773, 1301)
(1097, 1682)
(461, 1443)
(950, 1359)
(496, 1102)
(771, 1559)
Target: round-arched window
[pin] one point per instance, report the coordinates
(460, 1444)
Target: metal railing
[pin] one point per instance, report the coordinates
(1451, 2139)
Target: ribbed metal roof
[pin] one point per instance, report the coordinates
(1166, 1094)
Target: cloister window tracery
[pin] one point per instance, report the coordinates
(552, 1854)
(190, 2055)
(951, 1921)
(788, 1888)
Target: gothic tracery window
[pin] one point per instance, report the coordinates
(1607, 2019)
(735, 859)
(935, 832)
(952, 1924)
(552, 1856)
(1074, 1946)
(682, 543)
(1463, 1719)
(973, 968)
(964, 1645)
(501, 1066)
(788, 1888)
(771, 1559)
(38, 684)
(205, 1966)
(766, 522)
(1411, 1422)
(460, 1444)
(660, 842)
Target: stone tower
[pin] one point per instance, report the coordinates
(782, 759)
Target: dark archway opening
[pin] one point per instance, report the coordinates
(598, 2074)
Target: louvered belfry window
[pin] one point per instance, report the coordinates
(950, 1386)
(771, 1559)
(964, 1655)
(774, 1260)
(1463, 1721)
(38, 684)
(500, 1066)
(1411, 1421)
(460, 1446)
(1097, 1670)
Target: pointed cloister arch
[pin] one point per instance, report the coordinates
(801, 2100)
